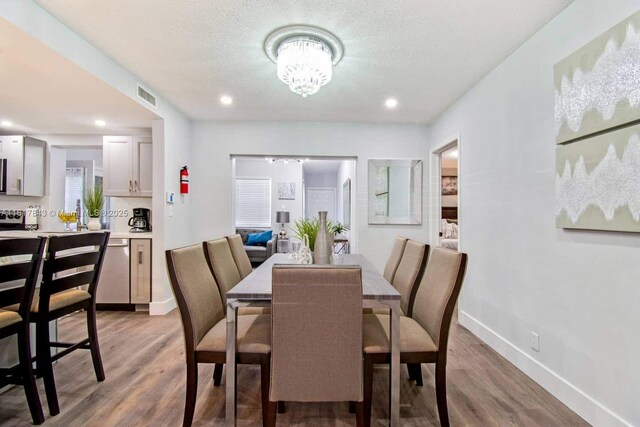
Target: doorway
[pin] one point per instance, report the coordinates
(445, 190)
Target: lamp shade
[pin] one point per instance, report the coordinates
(282, 217)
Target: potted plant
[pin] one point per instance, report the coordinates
(310, 227)
(93, 203)
(338, 228)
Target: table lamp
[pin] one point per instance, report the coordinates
(282, 218)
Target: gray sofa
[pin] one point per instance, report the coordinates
(258, 254)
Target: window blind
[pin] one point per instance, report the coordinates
(253, 202)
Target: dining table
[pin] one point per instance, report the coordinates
(255, 290)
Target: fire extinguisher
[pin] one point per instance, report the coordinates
(184, 180)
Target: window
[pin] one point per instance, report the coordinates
(253, 202)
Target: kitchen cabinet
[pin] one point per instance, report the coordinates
(127, 166)
(22, 166)
(140, 271)
(125, 279)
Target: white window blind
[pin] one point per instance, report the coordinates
(253, 202)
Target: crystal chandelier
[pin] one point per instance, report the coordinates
(305, 57)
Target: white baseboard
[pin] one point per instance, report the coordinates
(585, 406)
(163, 307)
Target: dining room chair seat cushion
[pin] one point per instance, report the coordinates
(254, 335)
(57, 301)
(8, 318)
(243, 311)
(379, 310)
(413, 337)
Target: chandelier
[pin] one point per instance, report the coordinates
(304, 56)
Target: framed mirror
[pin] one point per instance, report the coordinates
(395, 191)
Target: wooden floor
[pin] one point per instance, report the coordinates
(144, 364)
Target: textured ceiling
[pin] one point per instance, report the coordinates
(44, 93)
(426, 53)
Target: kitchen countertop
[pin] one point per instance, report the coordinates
(28, 233)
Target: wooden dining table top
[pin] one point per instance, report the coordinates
(257, 285)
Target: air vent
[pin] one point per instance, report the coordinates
(146, 96)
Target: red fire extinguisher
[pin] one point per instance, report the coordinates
(184, 180)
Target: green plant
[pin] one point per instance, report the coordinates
(310, 227)
(93, 201)
(338, 228)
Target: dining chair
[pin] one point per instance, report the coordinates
(71, 262)
(222, 263)
(18, 278)
(240, 255)
(423, 337)
(316, 335)
(409, 273)
(394, 259)
(205, 327)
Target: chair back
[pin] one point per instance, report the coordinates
(394, 259)
(196, 292)
(438, 292)
(409, 273)
(316, 326)
(240, 255)
(72, 261)
(18, 277)
(220, 260)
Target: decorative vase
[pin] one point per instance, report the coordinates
(94, 224)
(323, 246)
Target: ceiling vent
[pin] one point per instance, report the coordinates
(146, 96)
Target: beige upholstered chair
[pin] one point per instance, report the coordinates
(205, 328)
(423, 338)
(316, 336)
(240, 255)
(409, 273)
(394, 259)
(18, 279)
(226, 273)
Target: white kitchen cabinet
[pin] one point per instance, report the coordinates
(25, 165)
(140, 271)
(127, 166)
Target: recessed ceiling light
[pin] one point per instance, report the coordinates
(6, 123)
(391, 103)
(226, 100)
(100, 123)
(454, 154)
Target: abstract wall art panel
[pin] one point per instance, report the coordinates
(598, 87)
(598, 182)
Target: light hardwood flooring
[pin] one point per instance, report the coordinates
(144, 364)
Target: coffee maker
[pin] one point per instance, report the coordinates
(141, 220)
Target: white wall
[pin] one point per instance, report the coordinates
(347, 170)
(277, 172)
(216, 141)
(579, 290)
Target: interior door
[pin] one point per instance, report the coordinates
(320, 199)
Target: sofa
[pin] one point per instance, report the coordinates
(258, 254)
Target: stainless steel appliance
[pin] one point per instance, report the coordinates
(141, 220)
(12, 219)
(113, 287)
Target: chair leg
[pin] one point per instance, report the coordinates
(359, 414)
(441, 393)
(282, 408)
(191, 391)
(44, 365)
(29, 381)
(265, 382)
(367, 390)
(272, 414)
(415, 373)
(92, 329)
(217, 374)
